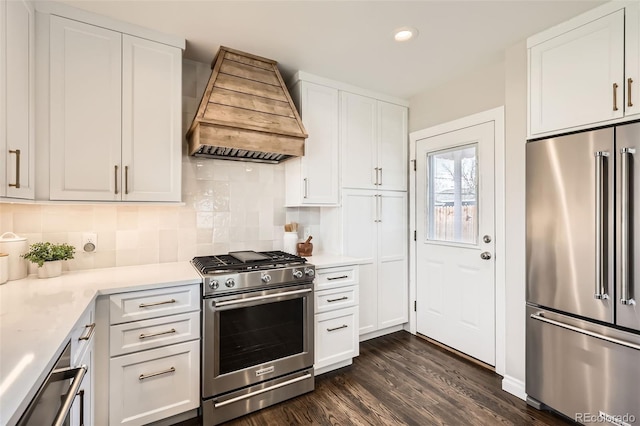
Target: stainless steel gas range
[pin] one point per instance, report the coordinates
(257, 331)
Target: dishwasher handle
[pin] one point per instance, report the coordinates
(77, 373)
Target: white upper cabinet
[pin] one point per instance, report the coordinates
(151, 126)
(85, 144)
(585, 72)
(17, 35)
(314, 178)
(374, 143)
(115, 108)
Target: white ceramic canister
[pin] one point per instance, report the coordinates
(15, 246)
(4, 268)
(290, 242)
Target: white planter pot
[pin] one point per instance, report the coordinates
(50, 269)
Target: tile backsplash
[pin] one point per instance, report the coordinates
(228, 206)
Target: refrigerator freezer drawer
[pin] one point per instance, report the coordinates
(581, 369)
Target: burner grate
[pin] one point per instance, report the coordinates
(227, 262)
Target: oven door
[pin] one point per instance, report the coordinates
(256, 336)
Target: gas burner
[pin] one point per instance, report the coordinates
(245, 261)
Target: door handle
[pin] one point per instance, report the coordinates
(625, 186)
(601, 249)
(629, 84)
(485, 255)
(615, 96)
(17, 153)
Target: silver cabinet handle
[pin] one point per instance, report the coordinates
(380, 169)
(625, 188)
(485, 255)
(166, 302)
(306, 187)
(615, 96)
(376, 182)
(538, 316)
(379, 208)
(261, 391)
(253, 299)
(338, 328)
(146, 336)
(115, 174)
(92, 328)
(126, 179)
(337, 278)
(64, 374)
(601, 249)
(17, 153)
(159, 373)
(338, 299)
(629, 84)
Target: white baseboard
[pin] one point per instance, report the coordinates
(514, 387)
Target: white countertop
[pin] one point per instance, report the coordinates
(327, 260)
(37, 315)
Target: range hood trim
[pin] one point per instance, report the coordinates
(258, 135)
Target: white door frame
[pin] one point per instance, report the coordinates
(497, 116)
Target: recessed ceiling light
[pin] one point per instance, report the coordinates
(405, 33)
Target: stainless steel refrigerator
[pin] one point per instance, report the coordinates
(583, 275)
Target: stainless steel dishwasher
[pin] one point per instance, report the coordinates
(53, 401)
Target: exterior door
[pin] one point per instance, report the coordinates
(455, 240)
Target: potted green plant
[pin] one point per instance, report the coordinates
(49, 257)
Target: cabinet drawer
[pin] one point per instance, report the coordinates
(138, 305)
(153, 333)
(82, 334)
(336, 336)
(339, 276)
(337, 298)
(156, 384)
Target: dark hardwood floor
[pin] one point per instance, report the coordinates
(403, 379)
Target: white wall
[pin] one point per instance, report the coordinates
(479, 90)
(500, 83)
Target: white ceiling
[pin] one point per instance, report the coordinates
(351, 41)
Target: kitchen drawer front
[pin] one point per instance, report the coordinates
(153, 333)
(336, 337)
(82, 334)
(152, 385)
(139, 305)
(336, 298)
(339, 276)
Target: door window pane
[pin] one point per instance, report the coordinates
(452, 185)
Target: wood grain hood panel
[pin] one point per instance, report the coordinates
(246, 112)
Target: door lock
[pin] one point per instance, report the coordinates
(486, 239)
(485, 255)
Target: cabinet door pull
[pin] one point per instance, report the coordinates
(126, 179)
(115, 179)
(306, 187)
(380, 176)
(145, 336)
(167, 371)
(615, 96)
(337, 328)
(337, 278)
(91, 328)
(338, 299)
(146, 305)
(629, 83)
(17, 153)
(376, 182)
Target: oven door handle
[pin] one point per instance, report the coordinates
(258, 392)
(257, 298)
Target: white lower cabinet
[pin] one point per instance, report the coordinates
(336, 317)
(152, 385)
(154, 354)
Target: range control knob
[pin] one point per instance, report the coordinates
(309, 272)
(297, 273)
(214, 284)
(266, 278)
(230, 282)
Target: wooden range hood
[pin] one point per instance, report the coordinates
(246, 112)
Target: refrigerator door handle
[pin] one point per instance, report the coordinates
(538, 316)
(601, 255)
(626, 154)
